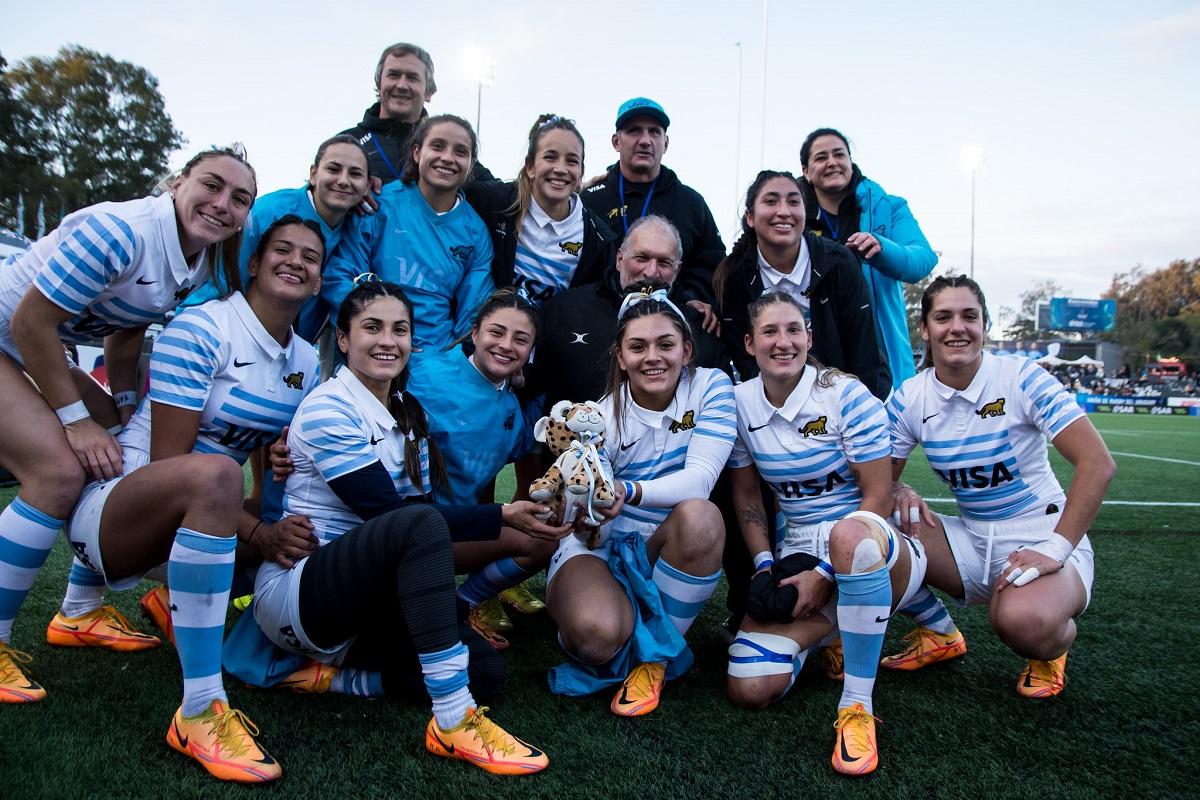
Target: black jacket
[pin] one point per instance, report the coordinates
(843, 326)
(575, 340)
(683, 206)
(494, 202)
(390, 136)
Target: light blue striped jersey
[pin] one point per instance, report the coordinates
(548, 251)
(988, 441)
(219, 360)
(340, 428)
(804, 449)
(112, 266)
(652, 445)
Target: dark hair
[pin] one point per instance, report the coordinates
(409, 173)
(341, 138)
(934, 288)
(405, 408)
(825, 375)
(543, 125)
(747, 243)
(285, 220)
(499, 299)
(400, 49)
(225, 254)
(806, 147)
(646, 308)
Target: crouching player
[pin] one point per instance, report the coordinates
(820, 439)
(1019, 544)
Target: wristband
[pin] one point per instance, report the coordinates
(825, 570)
(628, 491)
(70, 414)
(127, 398)
(1057, 547)
(763, 561)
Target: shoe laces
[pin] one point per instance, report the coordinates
(115, 618)
(228, 727)
(856, 733)
(494, 738)
(8, 666)
(641, 680)
(1044, 671)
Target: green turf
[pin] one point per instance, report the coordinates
(1125, 727)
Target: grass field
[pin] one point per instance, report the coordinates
(1126, 726)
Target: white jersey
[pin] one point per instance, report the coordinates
(218, 359)
(112, 266)
(547, 251)
(988, 441)
(340, 428)
(699, 425)
(804, 449)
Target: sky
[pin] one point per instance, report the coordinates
(1087, 113)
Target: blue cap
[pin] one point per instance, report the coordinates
(641, 107)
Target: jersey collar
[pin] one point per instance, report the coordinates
(254, 327)
(559, 227)
(795, 402)
(363, 400)
(168, 229)
(975, 389)
(658, 419)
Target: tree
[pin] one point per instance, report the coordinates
(1158, 312)
(1024, 324)
(88, 128)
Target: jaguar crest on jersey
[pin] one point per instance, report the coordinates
(814, 427)
(571, 248)
(687, 422)
(463, 252)
(992, 409)
(294, 381)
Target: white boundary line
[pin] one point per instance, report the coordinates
(1106, 502)
(1156, 458)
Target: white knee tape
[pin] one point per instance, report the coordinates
(879, 551)
(753, 654)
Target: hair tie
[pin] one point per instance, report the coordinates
(660, 295)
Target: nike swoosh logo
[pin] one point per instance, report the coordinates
(931, 416)
(627, 446)
(846, 756)
(237, 363)
(65, 626)
(375, 441)
(449, 748)
(825, 300)
(183, 740)
(754, 428)
(883, 619)
(144, 282)
(624, 699)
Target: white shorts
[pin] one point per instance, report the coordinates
(572, 545)
(277, 612)
(981, 551)
(83, 526)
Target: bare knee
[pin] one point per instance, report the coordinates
(699, 531)
(214, 481)
(594, 640)
(1028, 628)
(54, 486)
(755, 693)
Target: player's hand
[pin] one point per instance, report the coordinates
(813, 592)
(1025, 566)
(709, 320)
(287, 541)
(864, 244)
(911, 510)
(280, 456)
(523, 516)
(370, 204)
(605, 515)
(95, 448)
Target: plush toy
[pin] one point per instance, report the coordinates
(579, 480)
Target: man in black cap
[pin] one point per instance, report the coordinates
(638, 184)
(404, 83)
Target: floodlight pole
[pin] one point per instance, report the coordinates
(762, 144)
(737, 150)
(972, 223)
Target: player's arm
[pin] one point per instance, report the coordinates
(1081, 444)
(122, 352)
(751, 516)
(874, 479)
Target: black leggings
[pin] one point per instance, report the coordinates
(389, 585)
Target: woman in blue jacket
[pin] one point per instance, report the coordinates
(877, 227)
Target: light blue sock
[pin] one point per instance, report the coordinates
(491, 581)
(357, 682)
(683, 595)
(199, 574)
(85, 590)
(26, 538)
(446, 680)
(929, 612)
(864, 605)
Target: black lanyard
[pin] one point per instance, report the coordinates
(387, 162)
(621, 195)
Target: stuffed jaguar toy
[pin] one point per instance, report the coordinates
(579, 480)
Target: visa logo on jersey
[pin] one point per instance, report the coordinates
(979, 477)
(811, 487)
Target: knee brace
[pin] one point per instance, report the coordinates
(753, 654)
(878, 550)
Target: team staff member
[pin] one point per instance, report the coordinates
(774, 254)
(404, 84)
(638, 184)
(544, 239)
(109, 270)
(1019, 544)
(877, 227)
